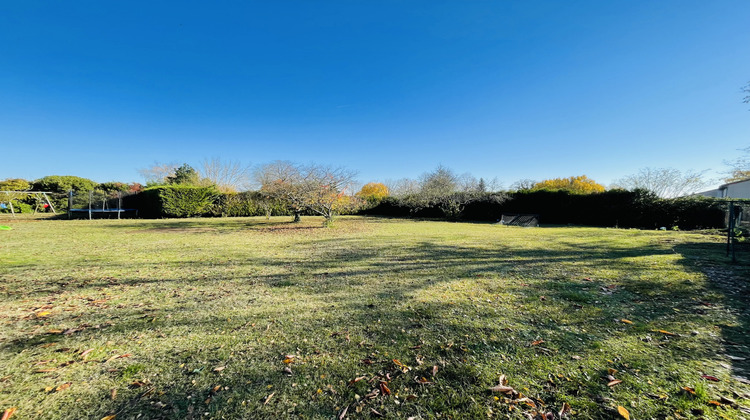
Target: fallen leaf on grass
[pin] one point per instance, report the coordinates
(689, 390)
(613, 383)
(55, 332)
(357, 379)
(401, 366)
(288, 360)
(372, 394)
(64, 386)
(384, 388)
(503, 386)
(113, 394)
(574, 357)
(86, 352)
(219, 368)
(8, 412)
(42, 314)
(565, 409)
(112, 417)
(343, 413)
(434, 370)
(422, 380)
(136, 384)
(367, 361)
(665, 332)
(623, 412)
(118, 357)
(537, 342)
(268, 399)
(716, 403)
(626, 321)
(287, 371)
(710, 378)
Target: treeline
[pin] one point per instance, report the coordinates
(288, 189)
(621, 208)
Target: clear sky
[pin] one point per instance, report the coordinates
(507, 89)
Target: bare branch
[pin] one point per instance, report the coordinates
(664, 182)
(158, 173)
(228, 176)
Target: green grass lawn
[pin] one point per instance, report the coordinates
(254, 318)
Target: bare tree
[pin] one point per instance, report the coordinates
(494, 185)
(664, 182)
(402, 187)
(441, 181)
(318, 188)
(468, 183)
(740, 167)
(329, 190)
(282, 180)
(158, 173)
(523, 185)
(228, 176)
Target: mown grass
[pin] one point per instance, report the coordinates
(199, 319)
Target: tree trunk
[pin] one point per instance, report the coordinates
(296, 217)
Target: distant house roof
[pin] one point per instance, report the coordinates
(736, 189)
(733, 182)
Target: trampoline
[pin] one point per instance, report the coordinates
(99, 203)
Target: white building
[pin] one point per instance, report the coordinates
(737, 189)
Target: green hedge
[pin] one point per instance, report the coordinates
(191, 201)
(638, 209)
(173, 201)
(245, 204)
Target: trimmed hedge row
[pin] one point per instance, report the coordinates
(193, 201)
(637, 209)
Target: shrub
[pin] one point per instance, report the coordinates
(574, 184)
(15, 184)
(187, 201)
(373, 192)
(173, 201)
(63, 184)
(18, 207)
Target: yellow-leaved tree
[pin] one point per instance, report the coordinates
(574, 184)
(373, 192)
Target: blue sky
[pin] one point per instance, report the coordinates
(506, 89)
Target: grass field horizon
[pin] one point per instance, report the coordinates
(255, 318)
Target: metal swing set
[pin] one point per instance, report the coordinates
(40, 196)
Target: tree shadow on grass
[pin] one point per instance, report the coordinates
(473, 311)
